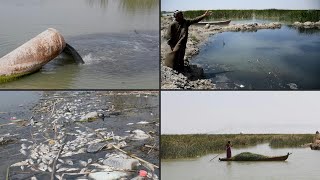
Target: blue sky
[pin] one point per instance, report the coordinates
(171, 5)
(220, 112)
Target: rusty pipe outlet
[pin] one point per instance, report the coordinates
(32, 55)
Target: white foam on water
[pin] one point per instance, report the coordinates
(88, 58)
(91, 59)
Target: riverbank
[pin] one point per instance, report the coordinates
(194, 77)
(190, 146)
(83, 134)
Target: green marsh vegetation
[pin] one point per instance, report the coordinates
(278, 14)
(129, 5)
(188, 146)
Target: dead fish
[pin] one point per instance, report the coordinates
(68, 154)
(139, 135)
(72, 169)
(58, 176)
(58, 166)
(23, 146)
(23, 152)
(60, 160)
(62, 169)
(50, 161)
(21, 163)
(49, 169)
(43, 167)
(89, 161)
(83, 170)
(69, 162)
(44, 160)
(83, 163)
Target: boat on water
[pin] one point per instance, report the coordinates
(315, 146)
(215, 22)
(256, 157)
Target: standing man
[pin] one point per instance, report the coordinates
(178, 36)
(228, 149)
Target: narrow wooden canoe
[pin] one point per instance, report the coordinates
(215, 22)
(271, 158)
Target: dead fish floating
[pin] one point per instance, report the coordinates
(32, 55)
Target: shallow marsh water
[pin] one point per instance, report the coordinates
(285, 58)
(118, 41)
(301, 164)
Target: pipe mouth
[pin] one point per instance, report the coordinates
(61, 38)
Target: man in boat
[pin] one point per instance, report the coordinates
(316, 138)
(177, 39)
(228, 149)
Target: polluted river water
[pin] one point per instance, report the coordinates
(92, 134)
(301, 164)
(285, 58)
(118, 41)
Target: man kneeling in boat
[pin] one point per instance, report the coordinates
(178, 37)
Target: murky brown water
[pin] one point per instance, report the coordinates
(118, 40)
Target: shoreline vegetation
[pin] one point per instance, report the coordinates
(194, 145)
(280, 14)
(194, 77)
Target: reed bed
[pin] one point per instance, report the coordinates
(280, 15)
(188, 146)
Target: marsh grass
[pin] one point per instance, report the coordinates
(280, 15)
(187, 146)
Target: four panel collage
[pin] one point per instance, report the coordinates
(159, 89)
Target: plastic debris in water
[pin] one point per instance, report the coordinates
(143, 122)
(143, 173)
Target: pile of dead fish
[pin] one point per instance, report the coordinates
(56, 155)
(59, 150)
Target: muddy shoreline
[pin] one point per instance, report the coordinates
(61, 120)
(198, 36)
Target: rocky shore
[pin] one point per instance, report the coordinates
(194, 77)
(307, 24)
(83, 135)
